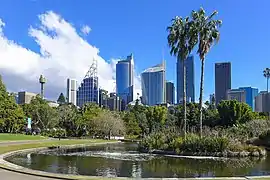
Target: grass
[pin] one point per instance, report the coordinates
(5, 149)
(19, 137)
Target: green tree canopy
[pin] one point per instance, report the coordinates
(12, 117)
(233, 112)
(43, 116)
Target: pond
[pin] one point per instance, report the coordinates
(123, 160)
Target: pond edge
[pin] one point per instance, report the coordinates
(23, 170)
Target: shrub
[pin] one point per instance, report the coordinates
(265, 135)
(194, 143)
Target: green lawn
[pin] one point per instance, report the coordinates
(9, 148)
(19, 137)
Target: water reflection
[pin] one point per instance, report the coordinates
(123, 160)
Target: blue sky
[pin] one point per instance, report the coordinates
(121, 27)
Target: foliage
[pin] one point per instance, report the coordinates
(265, 135)
(131, 124)
(12, 119)
(192, 143)
(68, 116)
(43, 116)
(233, 113)
(55, 132)
(61, 99)
(108, 124)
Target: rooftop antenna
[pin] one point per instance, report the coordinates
(163, 59)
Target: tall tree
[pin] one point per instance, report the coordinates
(61, 99)
(266, 74)
(11, 114)
(181, 40)
(208, 34)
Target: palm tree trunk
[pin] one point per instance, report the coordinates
(267, 81)
(184, 98)
(201, 94)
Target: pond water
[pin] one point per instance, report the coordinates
(123, 160)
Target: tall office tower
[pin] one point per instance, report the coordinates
(190, 79)
(222, 80)
(125, 80)
(236, 94)
(103, 97)
(88, 90)
(262, 102)
(154, 85)
(114, 102)
(251, 93)
(72, 91)
(212, 99)
(170, 92)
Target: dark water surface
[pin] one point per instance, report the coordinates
(123, 160)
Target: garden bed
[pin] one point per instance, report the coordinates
(193, 145)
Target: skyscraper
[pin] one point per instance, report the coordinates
(153, 85)
(262, 102)
(222, 80)
(170, 92)
(72, 91)
(251, 93)
(124, 79)
(190, 79)
(88, 90)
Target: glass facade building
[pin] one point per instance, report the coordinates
(251, 93)
(222, 81)
(170, 92)
(125, 79)
(88, 91)
(190, 80)
(154, 85)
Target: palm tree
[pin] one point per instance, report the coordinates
(208, 35)
(266, 74)
(181, 41)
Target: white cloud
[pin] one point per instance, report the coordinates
(63, 53)
(86, 29)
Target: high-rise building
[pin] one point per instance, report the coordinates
(125, 79)
(153, 85)
(72, 91)
(103, 98)
(190, 79)
(262, 102)
(251, 93)
(25, 97)
(170, 92)
(114, 102)
(222, 80)
(236, 94)
(88, 90)
(212, 99)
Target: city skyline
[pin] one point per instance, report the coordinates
(66, 48)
